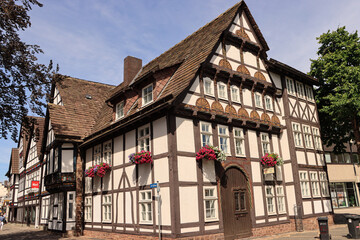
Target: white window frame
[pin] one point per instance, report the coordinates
(144, 140)
(145, 100)
(224, 137)
(213, 201)
(324, 184)
(280, 199)
(317, 138)
(300, 90)
(265, 143)
(88, 209)
(107, 152)
(119, 110)
(307, 137)
(70, 201)
(314, 184)
(297, 134)
(239, 142)
(258, 100)
(107, 208)
(206, 133)
(304, 184)
(146, 207)
(268, 103)
(97, 154)
(309, 93)
(290, 86)
(270, 195)
(60, 206)
(221, 85)
(211, 85)
(235, 94)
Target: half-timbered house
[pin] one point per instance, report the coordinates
(13, 175)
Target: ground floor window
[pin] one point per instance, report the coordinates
(145, 203)
(343, 195)
(210, 203)
(106, 207)
(88, 208)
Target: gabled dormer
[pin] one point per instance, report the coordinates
(56, 97)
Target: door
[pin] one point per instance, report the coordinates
(235, 204)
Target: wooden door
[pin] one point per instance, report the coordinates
(235, 204)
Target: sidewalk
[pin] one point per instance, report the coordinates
(337, 232)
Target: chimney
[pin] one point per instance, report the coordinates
(132, 66)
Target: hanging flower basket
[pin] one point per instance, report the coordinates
(210, 153)
(270, 160)
(141, 157)
(272, 166)
(98, 170)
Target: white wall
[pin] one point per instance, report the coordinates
(160, 140)
(189, 212)
(185, 135)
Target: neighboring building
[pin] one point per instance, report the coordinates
(13, 174)
(344, 176)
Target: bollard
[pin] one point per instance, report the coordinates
(324, 228)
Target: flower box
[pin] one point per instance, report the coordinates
(98, 170)
(141, 157)
(271, 164)
(210, 153)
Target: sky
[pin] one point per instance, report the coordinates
(89, 39)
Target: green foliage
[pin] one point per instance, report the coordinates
(23, 82)
(338, 97)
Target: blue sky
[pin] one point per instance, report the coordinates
(89, 39)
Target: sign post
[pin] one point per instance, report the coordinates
(158, 198)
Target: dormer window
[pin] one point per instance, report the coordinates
(147, 94)
(208, 86)
(119, 110)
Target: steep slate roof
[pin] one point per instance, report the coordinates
(82, 103)
(14, 162)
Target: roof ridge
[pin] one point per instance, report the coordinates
(89, 81)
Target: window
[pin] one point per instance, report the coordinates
(324, 184)
(145, 207)
(258, 102)
(147, 94)
(300, 89)
(222, 90)
(268, 103)
(97, 154)
(56, 159)
(280, 197)
(210, 204)
(88, 208)
(297, 134)
(70, 207)
(45, 208)
(314, 184)
(107, 152)
(235, 96)
(327, 157)
(60, 206)
(317, 140)
(208, 86)
(265, 143)
(307, 137)
(119, 110)
(239, 142)
(304, 184)
(206, 134)
(144, 138)
(270, 200)
(290, 86)
(309, 93)
(224, 139)
(106, 205)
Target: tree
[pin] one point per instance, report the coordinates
(338, 97)
(23, 82)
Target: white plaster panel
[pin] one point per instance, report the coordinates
(252, 71)
(233, 52)
(191, 229)
(88, 185)
(190, 99)
(107, 227)
(284, 145)
(288, 172)
(251, 36)
(282, 218)
(300, 156)
(223, 105)
(311, 158)
(187, 169)
(129, 143)
(291, 200)
(67, 161)
(119, 228)
(254, 151)
(262, 66)
(146, 230)
(276, 79)
(161, 170)
(245, 21)
(117, 178)
(160, 136)
(258, 201)
(185, 135)
(195, 87)
(129, 208)
(144, 177)
(107, 181)
(189, 211)
(307, 207)
(97, 184)
(119, 197)
(97, 208)
(250, 59)
(272, 219)
(118, 151)
(219, 49)
(131, 174)
(260, 221)
(247, 97)
(237, 19)
(88, 158)
(327, 205)
(318, 208)
(320, 159)
(211, 227)
(209, 100)
(215, 59)
(208, 169)
(165, 207)
(256, 171)
(281, 103)
(275, 143)
(234, 28)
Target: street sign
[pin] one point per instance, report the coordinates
(153, 185)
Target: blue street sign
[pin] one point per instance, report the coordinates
(153, 185)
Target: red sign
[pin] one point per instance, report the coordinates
(35, 184)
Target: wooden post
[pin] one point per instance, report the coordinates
(79, 195)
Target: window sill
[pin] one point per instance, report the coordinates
(144, 105)
(211, 220)
(146, 223)
(107, 221)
